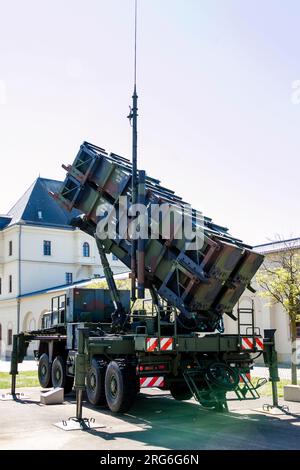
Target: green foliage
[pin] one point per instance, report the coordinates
(279, 278)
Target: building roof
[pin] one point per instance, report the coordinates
(278, 245)
(36, 207)
(62, 287)
(74, 285)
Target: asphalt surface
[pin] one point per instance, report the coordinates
(156, 421)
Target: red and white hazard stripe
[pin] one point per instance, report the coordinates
(166, 344)
(245, 377)
(247, 343)
(151, 344)
(259, 344)
(152, 382)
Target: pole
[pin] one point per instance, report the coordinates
(141, 241)
(80, 372)
(134, 180)
(14, 365)
(19, 280)
(270, 358)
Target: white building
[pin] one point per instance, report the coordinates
(40, 254)
(268, 314)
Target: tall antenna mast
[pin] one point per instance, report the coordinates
(133, 118)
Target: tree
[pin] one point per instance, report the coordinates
(279, 277)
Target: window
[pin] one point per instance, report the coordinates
(298, 329)
(10, 249)
(10, 283)
(86, 250)
(114, 258)
(0, 285)
(0, 332)
(69, 278)
(47, 248)
(9, 337)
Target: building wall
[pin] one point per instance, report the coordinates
(9, 263)
(8, 320)
(40, 272)
(31, 311)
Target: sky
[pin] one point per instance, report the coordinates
(219, 108)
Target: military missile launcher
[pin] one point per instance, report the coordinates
(202, 282)
(112, 343)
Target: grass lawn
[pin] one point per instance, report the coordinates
(30, 379)
(266, 390)
(24, 379)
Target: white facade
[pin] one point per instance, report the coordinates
(29, 270)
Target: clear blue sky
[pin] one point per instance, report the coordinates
(217, 123)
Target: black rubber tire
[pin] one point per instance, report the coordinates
(95, 384)
(59, 375)
(44, 371)
(223, 376)
(180, 391)
(120, 387)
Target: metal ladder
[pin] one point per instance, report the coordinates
(246, 325)
(246, 387)
(204, 396)
(189, 375)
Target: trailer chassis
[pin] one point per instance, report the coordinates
(211, 366)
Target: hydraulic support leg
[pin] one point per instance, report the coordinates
(80, 373)
(78, 422)
(14, 365)
(17, 355)
(270, 358)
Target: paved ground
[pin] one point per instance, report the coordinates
(155, 422)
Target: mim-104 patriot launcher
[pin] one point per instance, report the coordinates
(166, 331)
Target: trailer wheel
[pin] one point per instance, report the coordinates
(223, 376)
(120, 387)
(180, 391)
(95, 388)
(44, 371)
(59, 375)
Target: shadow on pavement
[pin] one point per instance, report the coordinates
(164, 422)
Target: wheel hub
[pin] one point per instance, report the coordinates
(113, 386)
(93, 382)
(58, 375)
